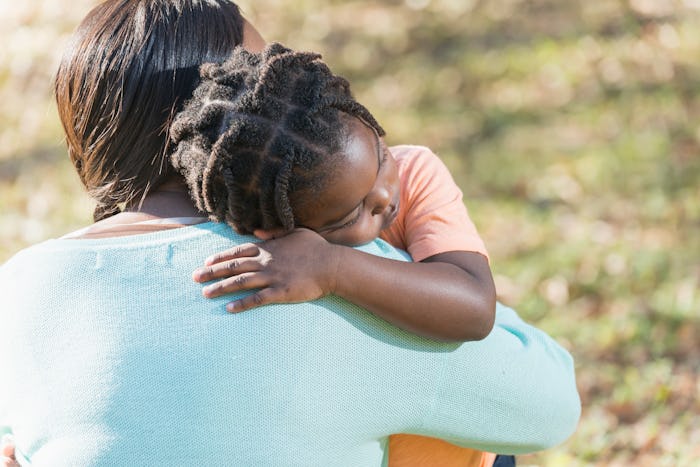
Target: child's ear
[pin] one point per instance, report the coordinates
(268, 234)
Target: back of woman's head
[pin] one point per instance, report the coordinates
(129, 68)
(260, 135)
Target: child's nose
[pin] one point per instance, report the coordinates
(380, 200)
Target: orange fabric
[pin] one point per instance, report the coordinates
(421, 451)
(432, 217)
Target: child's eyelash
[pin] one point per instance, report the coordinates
(385, 155)
(351, 222)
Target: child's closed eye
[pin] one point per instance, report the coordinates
(352, 221)
(385, 155)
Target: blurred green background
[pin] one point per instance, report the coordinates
(571, 128)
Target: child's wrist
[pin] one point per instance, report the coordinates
(335, 259)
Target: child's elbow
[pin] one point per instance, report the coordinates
(484, 326)
(486, 317)
(481, 321)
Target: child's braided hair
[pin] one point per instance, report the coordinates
(256, 138)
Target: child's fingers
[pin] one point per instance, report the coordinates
(7, 450)
(259, 298)
(239, 251)
(244, 281)
(7, 446)
(226, 268)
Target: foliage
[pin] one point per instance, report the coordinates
(571, 127)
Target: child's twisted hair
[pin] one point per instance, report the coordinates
(257, 132)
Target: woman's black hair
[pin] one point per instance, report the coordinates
(129, 69)
(260, 134)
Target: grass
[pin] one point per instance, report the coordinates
(571, 128)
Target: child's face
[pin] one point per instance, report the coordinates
(362, 195)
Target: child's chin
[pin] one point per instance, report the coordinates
(366, 240)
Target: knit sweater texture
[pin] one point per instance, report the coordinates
(110, 356)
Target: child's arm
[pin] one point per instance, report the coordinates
(449, 296)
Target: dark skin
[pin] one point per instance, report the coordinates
(449, 296)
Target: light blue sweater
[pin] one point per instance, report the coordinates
(110, 356)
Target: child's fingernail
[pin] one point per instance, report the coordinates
(231, 307)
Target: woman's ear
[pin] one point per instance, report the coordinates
(252, 40)
(268, 234)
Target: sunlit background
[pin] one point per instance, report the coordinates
(572, 128)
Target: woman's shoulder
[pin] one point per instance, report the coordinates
(26, 253)
(58, 254)
(74, 248)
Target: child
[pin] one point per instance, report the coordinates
(303, 166)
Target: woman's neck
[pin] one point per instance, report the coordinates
(170, 202)
(170, 199)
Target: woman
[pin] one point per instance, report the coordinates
(117, 359)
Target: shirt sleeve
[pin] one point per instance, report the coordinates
(513, 392)
(523, 396)
(436, 219)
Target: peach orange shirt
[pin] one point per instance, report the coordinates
(432, 218)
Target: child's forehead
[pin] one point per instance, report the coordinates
(358, 162)
(355, 122)
(361, 137)
(354, 163)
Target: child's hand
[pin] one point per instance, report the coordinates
(297, 267)
(7, 459)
